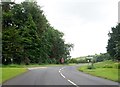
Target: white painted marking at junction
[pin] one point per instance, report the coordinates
(33, 68)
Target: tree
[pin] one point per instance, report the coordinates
(113, 47)
(29, 38)
(101, 57)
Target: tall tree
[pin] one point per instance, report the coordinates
(29, 38)
(113, 46)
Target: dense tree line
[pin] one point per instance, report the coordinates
(28, 37)
(101, 57)
(113, 47)
(92, 58)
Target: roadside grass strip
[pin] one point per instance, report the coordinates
(8, 73)
(0, 75)
(31, 65)
(101, 70)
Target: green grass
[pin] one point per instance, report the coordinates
(46, 65)
(31, 65)
(107, 70)
(0, 75)
(8, 73)
(12, 70)
(107, 64)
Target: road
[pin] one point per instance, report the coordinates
(58, 75)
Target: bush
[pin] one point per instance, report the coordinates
(90, 67)
(72, 61)
(117, 65)
(107, 66)
(82, 61)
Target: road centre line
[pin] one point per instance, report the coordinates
(66, 78)
(72, 83)
(62, 75)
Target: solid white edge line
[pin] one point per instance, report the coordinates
(66, 78)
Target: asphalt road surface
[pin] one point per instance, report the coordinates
(58, 75)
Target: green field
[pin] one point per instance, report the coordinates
(106, 69)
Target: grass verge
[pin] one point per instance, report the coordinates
(31, 65)
(8, 73)
(0, 75)
(105, 70)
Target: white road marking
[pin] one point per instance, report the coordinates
(62, 75)
(72, 83)
(36, 68)
(66, 78)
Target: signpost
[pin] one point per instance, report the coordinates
(62, 60)
(88, 61)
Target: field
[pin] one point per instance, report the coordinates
(107, 69)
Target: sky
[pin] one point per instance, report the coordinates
(85, 23)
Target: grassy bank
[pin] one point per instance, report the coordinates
(107, 69)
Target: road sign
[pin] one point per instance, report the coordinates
(62, 60)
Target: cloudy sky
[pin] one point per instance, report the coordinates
(85, 23)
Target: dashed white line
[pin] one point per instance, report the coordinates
(66, 78)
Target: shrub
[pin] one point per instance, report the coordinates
(82, 61)
(90, 67)
(107, 66)
(72, 61)
(117, 65)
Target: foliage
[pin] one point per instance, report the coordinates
(113, 47)
(107, 66)
(82, 61)
(90, 67)
(77, 60)
(72, 60)
(101, 57)
(27, 36)
(92, 58)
